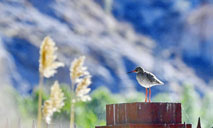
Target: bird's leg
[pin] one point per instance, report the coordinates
(146, 95)
(149, 95)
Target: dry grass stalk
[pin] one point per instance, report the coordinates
(57, 97)
(82, 89)
(34, 125)
(47, 111)
(54, 104)
(77, 69)
(47, 61)
(47, 68)
(82, 79)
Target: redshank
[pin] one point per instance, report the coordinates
(147, 80)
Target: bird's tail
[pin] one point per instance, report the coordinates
(160, 82)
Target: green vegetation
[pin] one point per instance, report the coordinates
(91, 114)
(193, 106)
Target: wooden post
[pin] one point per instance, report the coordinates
(144, 115)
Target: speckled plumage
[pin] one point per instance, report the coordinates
(147, 79)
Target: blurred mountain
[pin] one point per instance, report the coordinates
(183, 27)
(112, 44)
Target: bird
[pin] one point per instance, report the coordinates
(146, 79)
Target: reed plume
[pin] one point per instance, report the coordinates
(47, 61)
(82, 89)
(77, 69)
(47, 68)
(54, 104)
(80, 78)
(48, 111)
(57, 97)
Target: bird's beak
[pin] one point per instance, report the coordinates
(131, 71)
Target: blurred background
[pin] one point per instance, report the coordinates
(171, 38)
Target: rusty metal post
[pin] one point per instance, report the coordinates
(144, 115)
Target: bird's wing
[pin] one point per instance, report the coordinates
(150, 76)
(153, 78)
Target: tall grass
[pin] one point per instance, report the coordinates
(54, 103)
(47, 68)
(81, 79)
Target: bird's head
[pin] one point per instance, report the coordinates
(137, 70)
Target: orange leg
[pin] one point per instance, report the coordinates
(149, 95)
(146, 95)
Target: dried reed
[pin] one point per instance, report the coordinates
(47, 61)
(80, 78)
(47, 68)
(54, 104)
